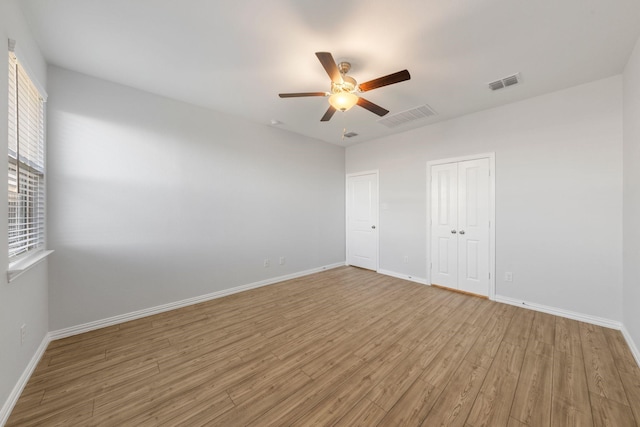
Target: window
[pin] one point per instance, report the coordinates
(26, 163)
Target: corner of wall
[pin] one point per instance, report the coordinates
(631, 201)
(11, 401)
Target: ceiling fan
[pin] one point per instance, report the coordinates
(344, 88)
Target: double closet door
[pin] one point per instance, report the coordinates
(460, 241)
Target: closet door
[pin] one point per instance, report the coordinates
(460, 226)
(444, 225)
(473, 226)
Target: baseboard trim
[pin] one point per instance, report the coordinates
(632, 345)
(404, 276)
(86, 327)
(22, 382)
(600, 321)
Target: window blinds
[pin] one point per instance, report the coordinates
(26, 163)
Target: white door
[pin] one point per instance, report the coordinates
(473, 226)
(460, 226)
(362, 221)
(444, 228)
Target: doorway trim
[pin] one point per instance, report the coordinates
(346, 217)
(492, 213)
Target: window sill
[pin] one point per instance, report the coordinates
(17, 268)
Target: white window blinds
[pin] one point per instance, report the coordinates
(26, 163)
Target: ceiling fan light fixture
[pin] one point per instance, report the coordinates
(344, 88)
(343, 100)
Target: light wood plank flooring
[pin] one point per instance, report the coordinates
(345, 347)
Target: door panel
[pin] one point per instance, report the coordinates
(470, 188)
(470, 271)
(362, 221)
(443, 256)
(444, 244)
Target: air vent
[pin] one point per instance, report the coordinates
(408, 116)
(505, 82)
(350, 134)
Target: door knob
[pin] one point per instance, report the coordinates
(453, 231)
(461, 231)
(373, 226)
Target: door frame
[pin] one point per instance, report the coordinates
(492, 213)
(346, 218)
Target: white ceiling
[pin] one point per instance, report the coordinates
(235, 56)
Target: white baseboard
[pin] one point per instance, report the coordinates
(607, 323)
(22, 382)
(86, 327)
(600, 321)
(632, 345)
(404, 276)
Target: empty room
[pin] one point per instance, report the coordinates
(295, 213)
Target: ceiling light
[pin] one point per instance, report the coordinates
(343, 100)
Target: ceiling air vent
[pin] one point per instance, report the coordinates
(408, 116)
(505, 82)
(350, 134)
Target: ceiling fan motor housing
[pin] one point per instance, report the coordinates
(349, 84)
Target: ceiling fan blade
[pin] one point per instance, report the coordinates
(329, 64)
(374, 108)
(398, 77)
(299, 94)
(327, 116)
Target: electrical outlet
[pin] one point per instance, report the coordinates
(23, 333)
(283, 260)
(405, 259)
(508, 276)
(267, 263)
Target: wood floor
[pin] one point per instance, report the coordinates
(345, 347)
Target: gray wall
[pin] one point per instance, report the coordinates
(558, 194)
(632, 195)
(24, 300)
(153, 201)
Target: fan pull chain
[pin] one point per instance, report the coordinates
(344, 125)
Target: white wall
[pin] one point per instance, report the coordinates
(24, 300)
(558, 194)
(154, 201)
(631, 258)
